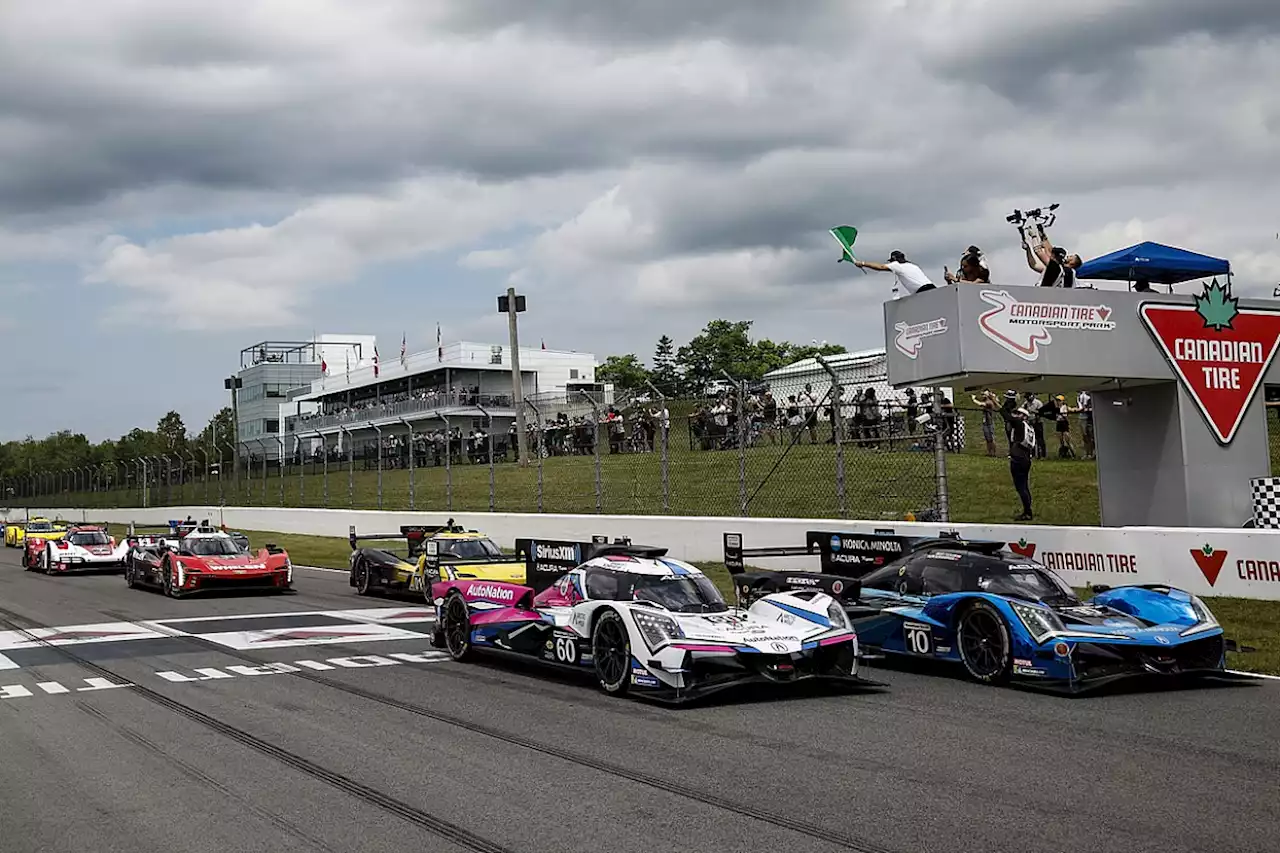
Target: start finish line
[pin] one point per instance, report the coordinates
(1178, 415)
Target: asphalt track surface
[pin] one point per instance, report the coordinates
(431, 755)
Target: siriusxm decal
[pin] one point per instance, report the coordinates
(568, 553)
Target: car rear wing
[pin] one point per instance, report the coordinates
(851, 554)
(546, 560)
(413, 534)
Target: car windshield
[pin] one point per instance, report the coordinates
(212, 546)
(679, 593)
(89, 537)
(39, 527)
(1032, 583)
(468, 549)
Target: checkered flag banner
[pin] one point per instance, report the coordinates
(1266, 502)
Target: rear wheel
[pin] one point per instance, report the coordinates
(985, 648)
(46, 564)
(130, 580)
(611, 651)
(456, 619)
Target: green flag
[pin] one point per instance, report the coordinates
(846, 235)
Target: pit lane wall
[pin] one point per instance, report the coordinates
(1227, 562)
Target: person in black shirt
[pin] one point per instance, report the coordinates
(1021, 450)
(1057, 268)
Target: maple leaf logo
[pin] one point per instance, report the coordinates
(1209, 561)
(1023, 548)
(1217, 306)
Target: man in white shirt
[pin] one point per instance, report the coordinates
(910, 276)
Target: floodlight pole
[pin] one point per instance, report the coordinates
(512, 305)
(233, 384)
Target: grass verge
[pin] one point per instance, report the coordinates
(1247, 621)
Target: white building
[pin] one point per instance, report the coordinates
(857, 370)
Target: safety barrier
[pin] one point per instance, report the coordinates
(1226, 562)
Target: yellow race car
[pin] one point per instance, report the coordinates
(15, 532)
(462, 554)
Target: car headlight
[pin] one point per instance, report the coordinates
(1040, 622)
(1205, 620)
(656, 628)
(836, 614)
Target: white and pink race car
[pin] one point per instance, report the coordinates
(85, 548)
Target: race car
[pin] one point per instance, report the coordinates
(1002, 617)
(85, 548)
(16, 533)
(462, 554)
(204, 559)
(643, 623)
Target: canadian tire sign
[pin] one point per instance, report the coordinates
(1218, 350)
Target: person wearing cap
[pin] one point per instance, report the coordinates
(1032, 404)
(1022, 449)
(910, 276)
(1057, 268)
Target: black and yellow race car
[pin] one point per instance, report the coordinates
(15, 532)
(458, 554)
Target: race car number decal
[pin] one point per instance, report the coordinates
(919, 638)
(566, 650)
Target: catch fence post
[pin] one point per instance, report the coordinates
(940, 459)
(595, 447)
(536, 450)
(741, 385)
(663, 418)
(837, 427)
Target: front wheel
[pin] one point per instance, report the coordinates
(46, 564)
(166, 570)
(985, 648)
(130, 580)
(611, 652)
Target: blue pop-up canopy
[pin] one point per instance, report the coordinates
(1153, 262)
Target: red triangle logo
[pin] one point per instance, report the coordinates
(1210, 562)
(1220, 367)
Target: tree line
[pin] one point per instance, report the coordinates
(723, 346)
(66, 450)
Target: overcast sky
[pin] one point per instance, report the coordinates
(179, 180)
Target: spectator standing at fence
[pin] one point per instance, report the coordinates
(809, 408)
(1033, 405)
(870, 409)
(1022, 440)
(909, 276)
(1084, 405)
(770, 409)
(1062, 424)
(987, 403)
(913, 411)
(795, 421)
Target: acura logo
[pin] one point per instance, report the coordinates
(779, 647)
(1164, 641)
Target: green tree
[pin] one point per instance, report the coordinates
(172, 433)
(626, 372)
(666, 374)
(721, 346)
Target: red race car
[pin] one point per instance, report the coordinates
(205, 560)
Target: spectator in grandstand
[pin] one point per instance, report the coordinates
(910, 277)
(987, 403)
(1084, 405)
(1021, 451)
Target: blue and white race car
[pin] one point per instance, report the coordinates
(643, 623)
(1006, 618)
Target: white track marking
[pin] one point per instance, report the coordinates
(1254, 674)
(319, 569)
(6, 663)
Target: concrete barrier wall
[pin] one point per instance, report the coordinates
(1238, 563)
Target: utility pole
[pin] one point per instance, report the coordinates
(511, 305)
(234, 384)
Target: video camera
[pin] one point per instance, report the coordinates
(1035, 216)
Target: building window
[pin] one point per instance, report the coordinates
(272, 427)
(573, 373)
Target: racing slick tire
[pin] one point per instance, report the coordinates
(455, 618)
(986, 649)
(130, 579)
(364, 578)
(611, 653)
(46, 563)
(166, 571)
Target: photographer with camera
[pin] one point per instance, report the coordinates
(1057, 268)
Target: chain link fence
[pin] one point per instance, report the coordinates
(740, 452)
